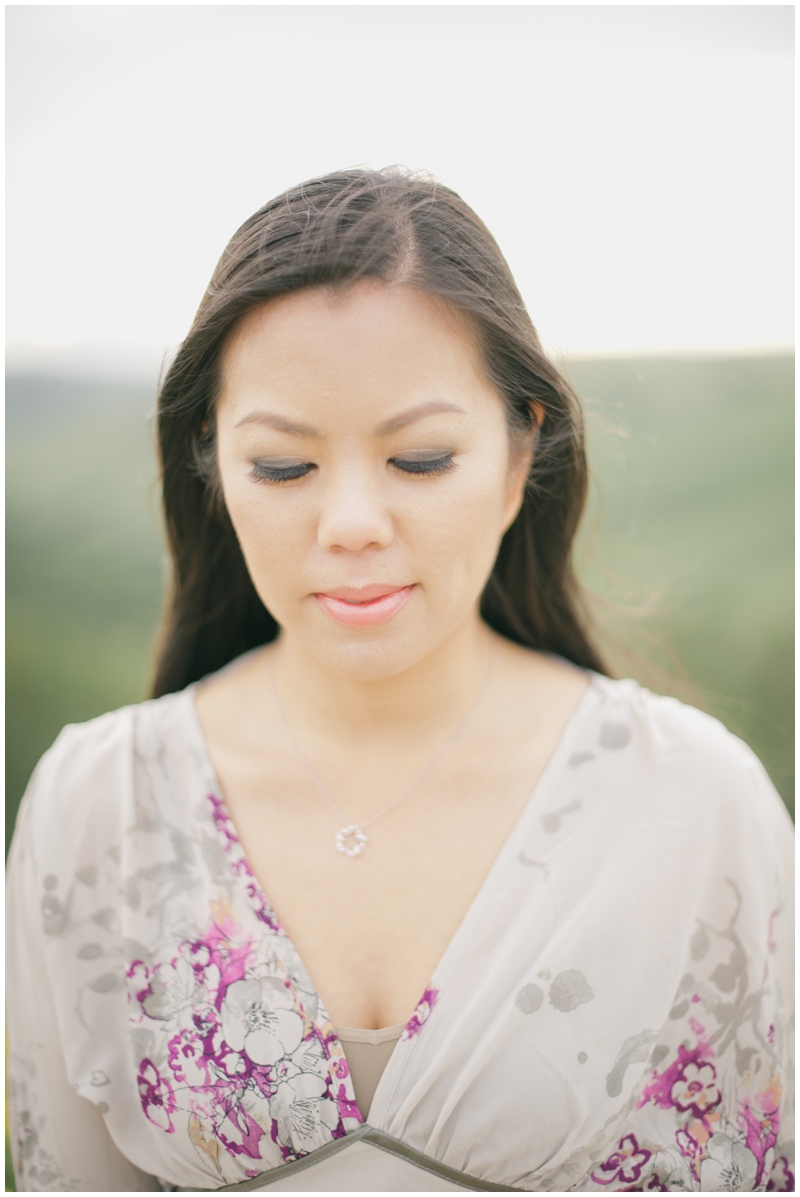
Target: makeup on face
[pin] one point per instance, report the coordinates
(366, 466)
(366, 607)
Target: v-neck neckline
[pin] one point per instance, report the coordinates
(455, 949)
(508, 852)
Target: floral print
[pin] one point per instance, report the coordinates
(238, 1042)
(718, 1149)
(624, 1166)
(248, 1074)
(781, 1178)
(238, 862)
(688, 1084)
(695, 1091)
(728, 1167)
(158, 1097)
(157, 984)
(422, 1013)
(259, 1019)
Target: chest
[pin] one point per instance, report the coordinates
(232, 1047)
(371, 929)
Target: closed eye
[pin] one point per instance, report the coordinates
(423, 463)
(411, 463)
(265, 471)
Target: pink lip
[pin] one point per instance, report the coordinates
(365, 607)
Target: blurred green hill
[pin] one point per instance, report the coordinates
(689, 537)
(687, 544)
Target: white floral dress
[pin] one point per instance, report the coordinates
(613, 1013)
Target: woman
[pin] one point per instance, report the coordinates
(546, 913)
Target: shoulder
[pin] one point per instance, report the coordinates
(85, 786)
(682, 763)
(664, 727)
(85, 751)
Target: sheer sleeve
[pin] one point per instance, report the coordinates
(59, 1140)
(714, 1109)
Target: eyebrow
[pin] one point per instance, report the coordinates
(281, 424)
(430, 408)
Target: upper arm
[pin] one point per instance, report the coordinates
(712, 1109)
(59, 1139)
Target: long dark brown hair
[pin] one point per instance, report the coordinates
(397, 227)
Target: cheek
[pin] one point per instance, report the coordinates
(458, 528)
(274, 534)
(446, 533)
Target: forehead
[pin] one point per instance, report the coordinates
(369, 335)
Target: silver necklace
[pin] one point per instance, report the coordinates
(351, 840)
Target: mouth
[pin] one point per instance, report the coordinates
(364, 607)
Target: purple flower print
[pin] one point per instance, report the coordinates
(205, 1020)
(781, 1177)
(230, 1065)
(651, 1185)
(695, 1090)
(189, 1062)
(259, 1019)
(688, 1084)
(238, 862)
(688, 1145)
(234, 1123)
(761, 1128)
(229, 954)
(138, 977)
(231, 1104)
(624, 1165)
(346, 1107)
(249, 1073)
(157, 1097)
(421, 1014)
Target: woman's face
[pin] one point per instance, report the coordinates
(365, 462)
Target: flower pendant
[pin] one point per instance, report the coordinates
(351, 840)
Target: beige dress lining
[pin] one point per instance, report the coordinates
(367, 1054)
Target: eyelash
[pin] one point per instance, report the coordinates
(265, 473)
(280, 474)
(436, 465)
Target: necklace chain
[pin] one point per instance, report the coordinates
(351, 840)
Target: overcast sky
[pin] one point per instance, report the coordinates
(634, 162)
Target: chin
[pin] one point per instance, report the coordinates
(370, 658)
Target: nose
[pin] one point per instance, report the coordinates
(354, 514)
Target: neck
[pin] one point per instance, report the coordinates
(429, 694)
